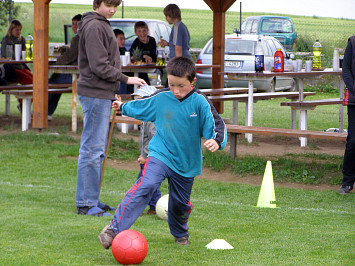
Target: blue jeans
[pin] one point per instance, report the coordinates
(96, 120)
(53, 98)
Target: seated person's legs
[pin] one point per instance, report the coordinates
(24, 76)
(145, 77)
(53, 99)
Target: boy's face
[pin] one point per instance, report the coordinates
(142, 34)
(169, 19)
(180, 86)
(74, 26)
(120, 40)
(106, 11)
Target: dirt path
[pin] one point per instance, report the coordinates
(265, 146)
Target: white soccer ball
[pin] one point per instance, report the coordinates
(162, 207)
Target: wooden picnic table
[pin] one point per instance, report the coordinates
(26, 96)
(74, 71)
(14, 62)
(223, 91)
(256, 96)
(299, 76)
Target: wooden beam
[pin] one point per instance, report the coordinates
(220, 5)
(40, 63)
(226, 4)
(218, 54)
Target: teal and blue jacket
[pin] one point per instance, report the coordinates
(180, 125)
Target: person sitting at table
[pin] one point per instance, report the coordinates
(69, 56)
(120, 38)
(146, 46)
(13, 36)
(124, 88)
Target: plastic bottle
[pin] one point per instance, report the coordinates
(317, 51)
(279, 61)
(161, 55)
(29, 47)
(259, 57)
(161, 58)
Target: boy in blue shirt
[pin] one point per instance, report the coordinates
(182, 115)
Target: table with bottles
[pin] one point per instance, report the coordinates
(299, 76)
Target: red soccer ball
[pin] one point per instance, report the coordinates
(129, 247)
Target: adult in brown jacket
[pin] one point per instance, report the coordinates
(69, 56)
(99, 79)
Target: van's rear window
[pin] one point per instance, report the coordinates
(236, 47)
(276, 25)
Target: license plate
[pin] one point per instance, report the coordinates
(232, 63)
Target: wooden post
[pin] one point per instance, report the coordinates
(40, 63)
(218, 55)
(219, 8)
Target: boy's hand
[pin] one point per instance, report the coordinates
(147, 59)
(163, 43)
(117, 104)
(136, 80)
(211, 145)
(141, 160)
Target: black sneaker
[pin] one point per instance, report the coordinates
(345, 189)
(82, 210)
(106, 236)
(183, 241)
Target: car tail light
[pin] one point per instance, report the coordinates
(294, 42)
(199, 61)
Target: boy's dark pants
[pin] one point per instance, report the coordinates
(349, 156)
(138, 197)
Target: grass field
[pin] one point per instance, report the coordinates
(38, 180)
(39, 225)
(331, 32)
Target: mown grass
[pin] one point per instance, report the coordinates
(39, 225)
(308, 168)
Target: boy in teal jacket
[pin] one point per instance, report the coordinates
(182, 115)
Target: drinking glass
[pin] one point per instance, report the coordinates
(9, 51)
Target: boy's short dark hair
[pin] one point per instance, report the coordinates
(118, 32)
(181, 67)
(77, 17)
(140, 24)
(172, 11)
(96, 4)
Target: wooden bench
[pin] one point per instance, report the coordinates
(304, 106)
(235, 130)
(26, 96)
(224, 91)
(256, 96)
(125, 121)
(25, 87)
